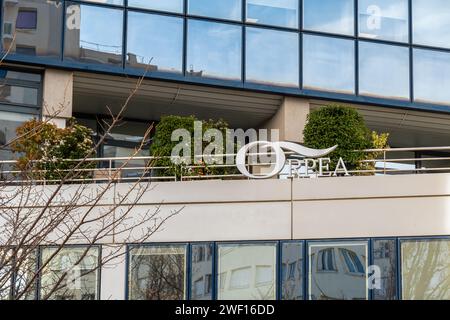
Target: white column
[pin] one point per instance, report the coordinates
(113, 273)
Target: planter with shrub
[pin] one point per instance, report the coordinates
(345, 127)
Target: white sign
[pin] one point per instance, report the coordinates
(312, 159)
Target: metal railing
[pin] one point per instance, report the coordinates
(122, 169)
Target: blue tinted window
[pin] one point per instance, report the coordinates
(334, 16)
(383, 19)
(292, 271)
(93, 34)
(385, 258)
(222, 9)
(328, 64)
(282, 13)
(431, 22)
(214, 50)
(272, 57)
(27, 30)
(383, 70)
(431, 76)
(201, 271)
(114, 2)
(160, 47)
(162, 5)
(337, 270)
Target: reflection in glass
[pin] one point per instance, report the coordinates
(162, 5)
(157, 273)
(222, 9)
(273, 12)
(18, 95)
(73, 272)
(214, 50)
(385, 257)
(383, 70)
(383, 19)
(431, 22)
(5, 274)
(17, 274)
(201, 265)
(246, 272)
(9, 121)
(292, 271)
(114, 2)
(328, 64)
(334, 16)
(272, 57)
(337, 271)
(425, 270)
(431, 76)
(33, 27)
(93, 34)
(160, 47)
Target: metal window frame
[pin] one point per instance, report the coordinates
(278, 263)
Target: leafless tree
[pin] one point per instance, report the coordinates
(50, 217)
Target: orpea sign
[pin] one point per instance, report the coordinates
(311, 159)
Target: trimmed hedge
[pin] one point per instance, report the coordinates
(338, 125)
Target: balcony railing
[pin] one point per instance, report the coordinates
(390, 161)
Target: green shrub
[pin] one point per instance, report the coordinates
(42, 147)
(338, 125)
(162, 146)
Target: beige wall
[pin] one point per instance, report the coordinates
(409, 205)
(57, 97)
(290, 119)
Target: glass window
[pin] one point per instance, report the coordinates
(160, 47)
(9, 121)
(384, 19)
(214, 50)
(431, 76)
(114, 2)
(272, 57)
(18, 95)
(162, 5)
(282, 13)
(431, 22)
(425, 270)
(24, 284)
(26, 19)
(333, 16)
(292, 271)
(246, 271)
(18, 274)
(33, 27)
(72, 274)
(157, 273)
(328, 64)
(383, 70)
(15, 75)
(201, 266)
(338, 271)
(93, 34)
(222, 9)
(385, 258)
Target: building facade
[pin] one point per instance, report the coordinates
(261, 64)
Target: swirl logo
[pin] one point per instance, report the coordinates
(280, 157)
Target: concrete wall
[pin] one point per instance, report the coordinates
(290, 119)
(317, 208)
(57, 96)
